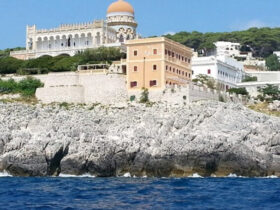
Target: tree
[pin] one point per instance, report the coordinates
(10, 65)
(269, 93)
(260, 41)
(144, 96)
(272, 63)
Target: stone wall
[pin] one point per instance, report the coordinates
(188, 94)
(74, 87)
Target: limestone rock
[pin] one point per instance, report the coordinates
(209, 138)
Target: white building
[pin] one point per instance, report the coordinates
(277, 53)
(119, 26)
(225, 70)
(227, 49)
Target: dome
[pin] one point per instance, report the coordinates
(120, 6)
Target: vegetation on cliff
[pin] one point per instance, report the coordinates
(272, 63)
(261, 41)
(45, 64)
(26, 87)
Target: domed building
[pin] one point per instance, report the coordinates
(120, 16)
(119, 26)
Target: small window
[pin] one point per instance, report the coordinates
(135, 68)
(153, 83)
(166, 68)
(179, 71)
(174, 70)
(190, 75)
(154, 67)
(173, 54)
(135, 52)
(133, 84)
(170, 69)
(155, 51)
(209, 71)
(166, 52)
(186, 74)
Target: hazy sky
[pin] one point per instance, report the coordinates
(155, 17)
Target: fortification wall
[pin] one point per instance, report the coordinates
(74, 87)
(69, 94)
(191, 93)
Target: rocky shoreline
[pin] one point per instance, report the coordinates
(208, 138)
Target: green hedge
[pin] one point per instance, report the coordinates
(26, 87)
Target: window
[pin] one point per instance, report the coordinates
(165, 52)
(155, 51)
(135, 68)
(186, 74)
(135, 52)
(133, 84)
(209, 71)
(179, 71)
(190, 75)
(174, 70)
(166, 68)
(154, 67)
(170, 69)
(153, 83)
(173, 54)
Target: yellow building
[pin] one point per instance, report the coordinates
(155, 63)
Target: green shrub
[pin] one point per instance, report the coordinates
(144, 96)
(269, 93)
(26, 87)
(239, 91)
(9, 65)
(250, 79)
(8, 86)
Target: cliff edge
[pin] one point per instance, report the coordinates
(208, 138)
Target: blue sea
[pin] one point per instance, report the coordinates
(139, 193)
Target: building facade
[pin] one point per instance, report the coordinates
(225, 70)
(119, 26)
(155, 63)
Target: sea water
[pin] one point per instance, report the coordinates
(139, 193)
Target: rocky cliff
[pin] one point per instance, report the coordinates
(208, 138)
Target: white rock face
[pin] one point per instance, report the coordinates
(207, 138)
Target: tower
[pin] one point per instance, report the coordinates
(120, 16)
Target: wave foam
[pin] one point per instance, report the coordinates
(195, 175)
(76, 176)
(5, 174)
(272, 177)
(127, 175)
